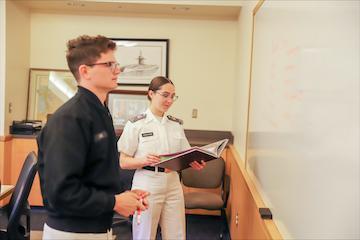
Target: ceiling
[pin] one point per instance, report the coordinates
(134, 9)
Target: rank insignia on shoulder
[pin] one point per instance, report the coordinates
(137, 117)
(174, 119)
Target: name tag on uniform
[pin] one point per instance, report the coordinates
(148, 134)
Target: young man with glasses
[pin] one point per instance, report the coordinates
(78, 156)
(144, 138)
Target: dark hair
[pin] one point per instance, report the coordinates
(157, 82)
(86, 50)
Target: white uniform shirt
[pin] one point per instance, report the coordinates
(151, 136)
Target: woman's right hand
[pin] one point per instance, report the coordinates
(150, 160)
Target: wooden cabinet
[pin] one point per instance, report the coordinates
(20, 147)
(243, 215)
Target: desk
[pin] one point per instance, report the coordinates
(5, 191)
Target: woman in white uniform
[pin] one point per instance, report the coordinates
(144, 138)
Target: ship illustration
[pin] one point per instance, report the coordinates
(139, 69)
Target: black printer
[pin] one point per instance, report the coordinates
(25, 127)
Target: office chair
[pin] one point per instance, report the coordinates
(212, 176)
(18, 205)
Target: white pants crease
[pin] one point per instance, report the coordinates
(166, 206)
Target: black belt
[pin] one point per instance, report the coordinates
(150, 168)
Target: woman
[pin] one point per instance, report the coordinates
(144, 138)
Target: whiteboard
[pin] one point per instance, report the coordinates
(303, 137)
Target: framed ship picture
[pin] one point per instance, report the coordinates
(141, 60)
(125, 104)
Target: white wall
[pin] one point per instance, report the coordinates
(304, 118)
(17, 61)
(202, 57)
(2, 64)
(241, 85)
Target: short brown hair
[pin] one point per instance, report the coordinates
(157, 82)
(86, 50)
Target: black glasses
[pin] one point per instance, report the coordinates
(168, 96)
(112, 65)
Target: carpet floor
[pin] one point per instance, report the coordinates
(198, 227)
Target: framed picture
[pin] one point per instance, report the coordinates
(141, 60)
(125, 104)
(48, 90)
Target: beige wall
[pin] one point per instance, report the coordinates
(2, 64)
(187, 2)
(241, 86)
(202, 57)
(17, 62)
(210, 75)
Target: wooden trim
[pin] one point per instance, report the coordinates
(258, 6)
(49, 69)
(249, 92)
(28, 95)
(131, 92)
(259, 202)
(255, 10)
(5, 138)
(245, 203)
(6, 190)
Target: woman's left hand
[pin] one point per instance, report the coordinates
(198, 166)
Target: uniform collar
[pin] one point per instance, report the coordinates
(151, 117)
(90, 96)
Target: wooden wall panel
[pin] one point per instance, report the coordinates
(2, 159)
(20, 149)
(5, 163)
(244, 219)
(5, 155)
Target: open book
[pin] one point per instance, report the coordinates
(181, 160)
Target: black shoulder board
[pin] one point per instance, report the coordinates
(171, 118)
(137, 117)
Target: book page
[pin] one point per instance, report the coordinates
(212, 149)
(216, 148)
(181, 160)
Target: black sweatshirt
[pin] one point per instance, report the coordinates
(79, 166)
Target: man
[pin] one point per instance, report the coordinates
(78, 155)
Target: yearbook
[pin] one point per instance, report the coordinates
(181, 160)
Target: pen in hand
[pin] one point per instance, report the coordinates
(138, 216)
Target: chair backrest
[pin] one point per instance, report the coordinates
(18, 200)
(211, 176)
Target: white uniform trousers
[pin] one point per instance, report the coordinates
(52, 234)
(166, 206)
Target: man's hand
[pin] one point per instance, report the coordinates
(143, 194)
(198, 166)
(128, 202)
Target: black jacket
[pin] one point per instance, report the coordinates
(79, 165)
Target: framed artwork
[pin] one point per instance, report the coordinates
(125, 104)
(48, 90)
(141, 60)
